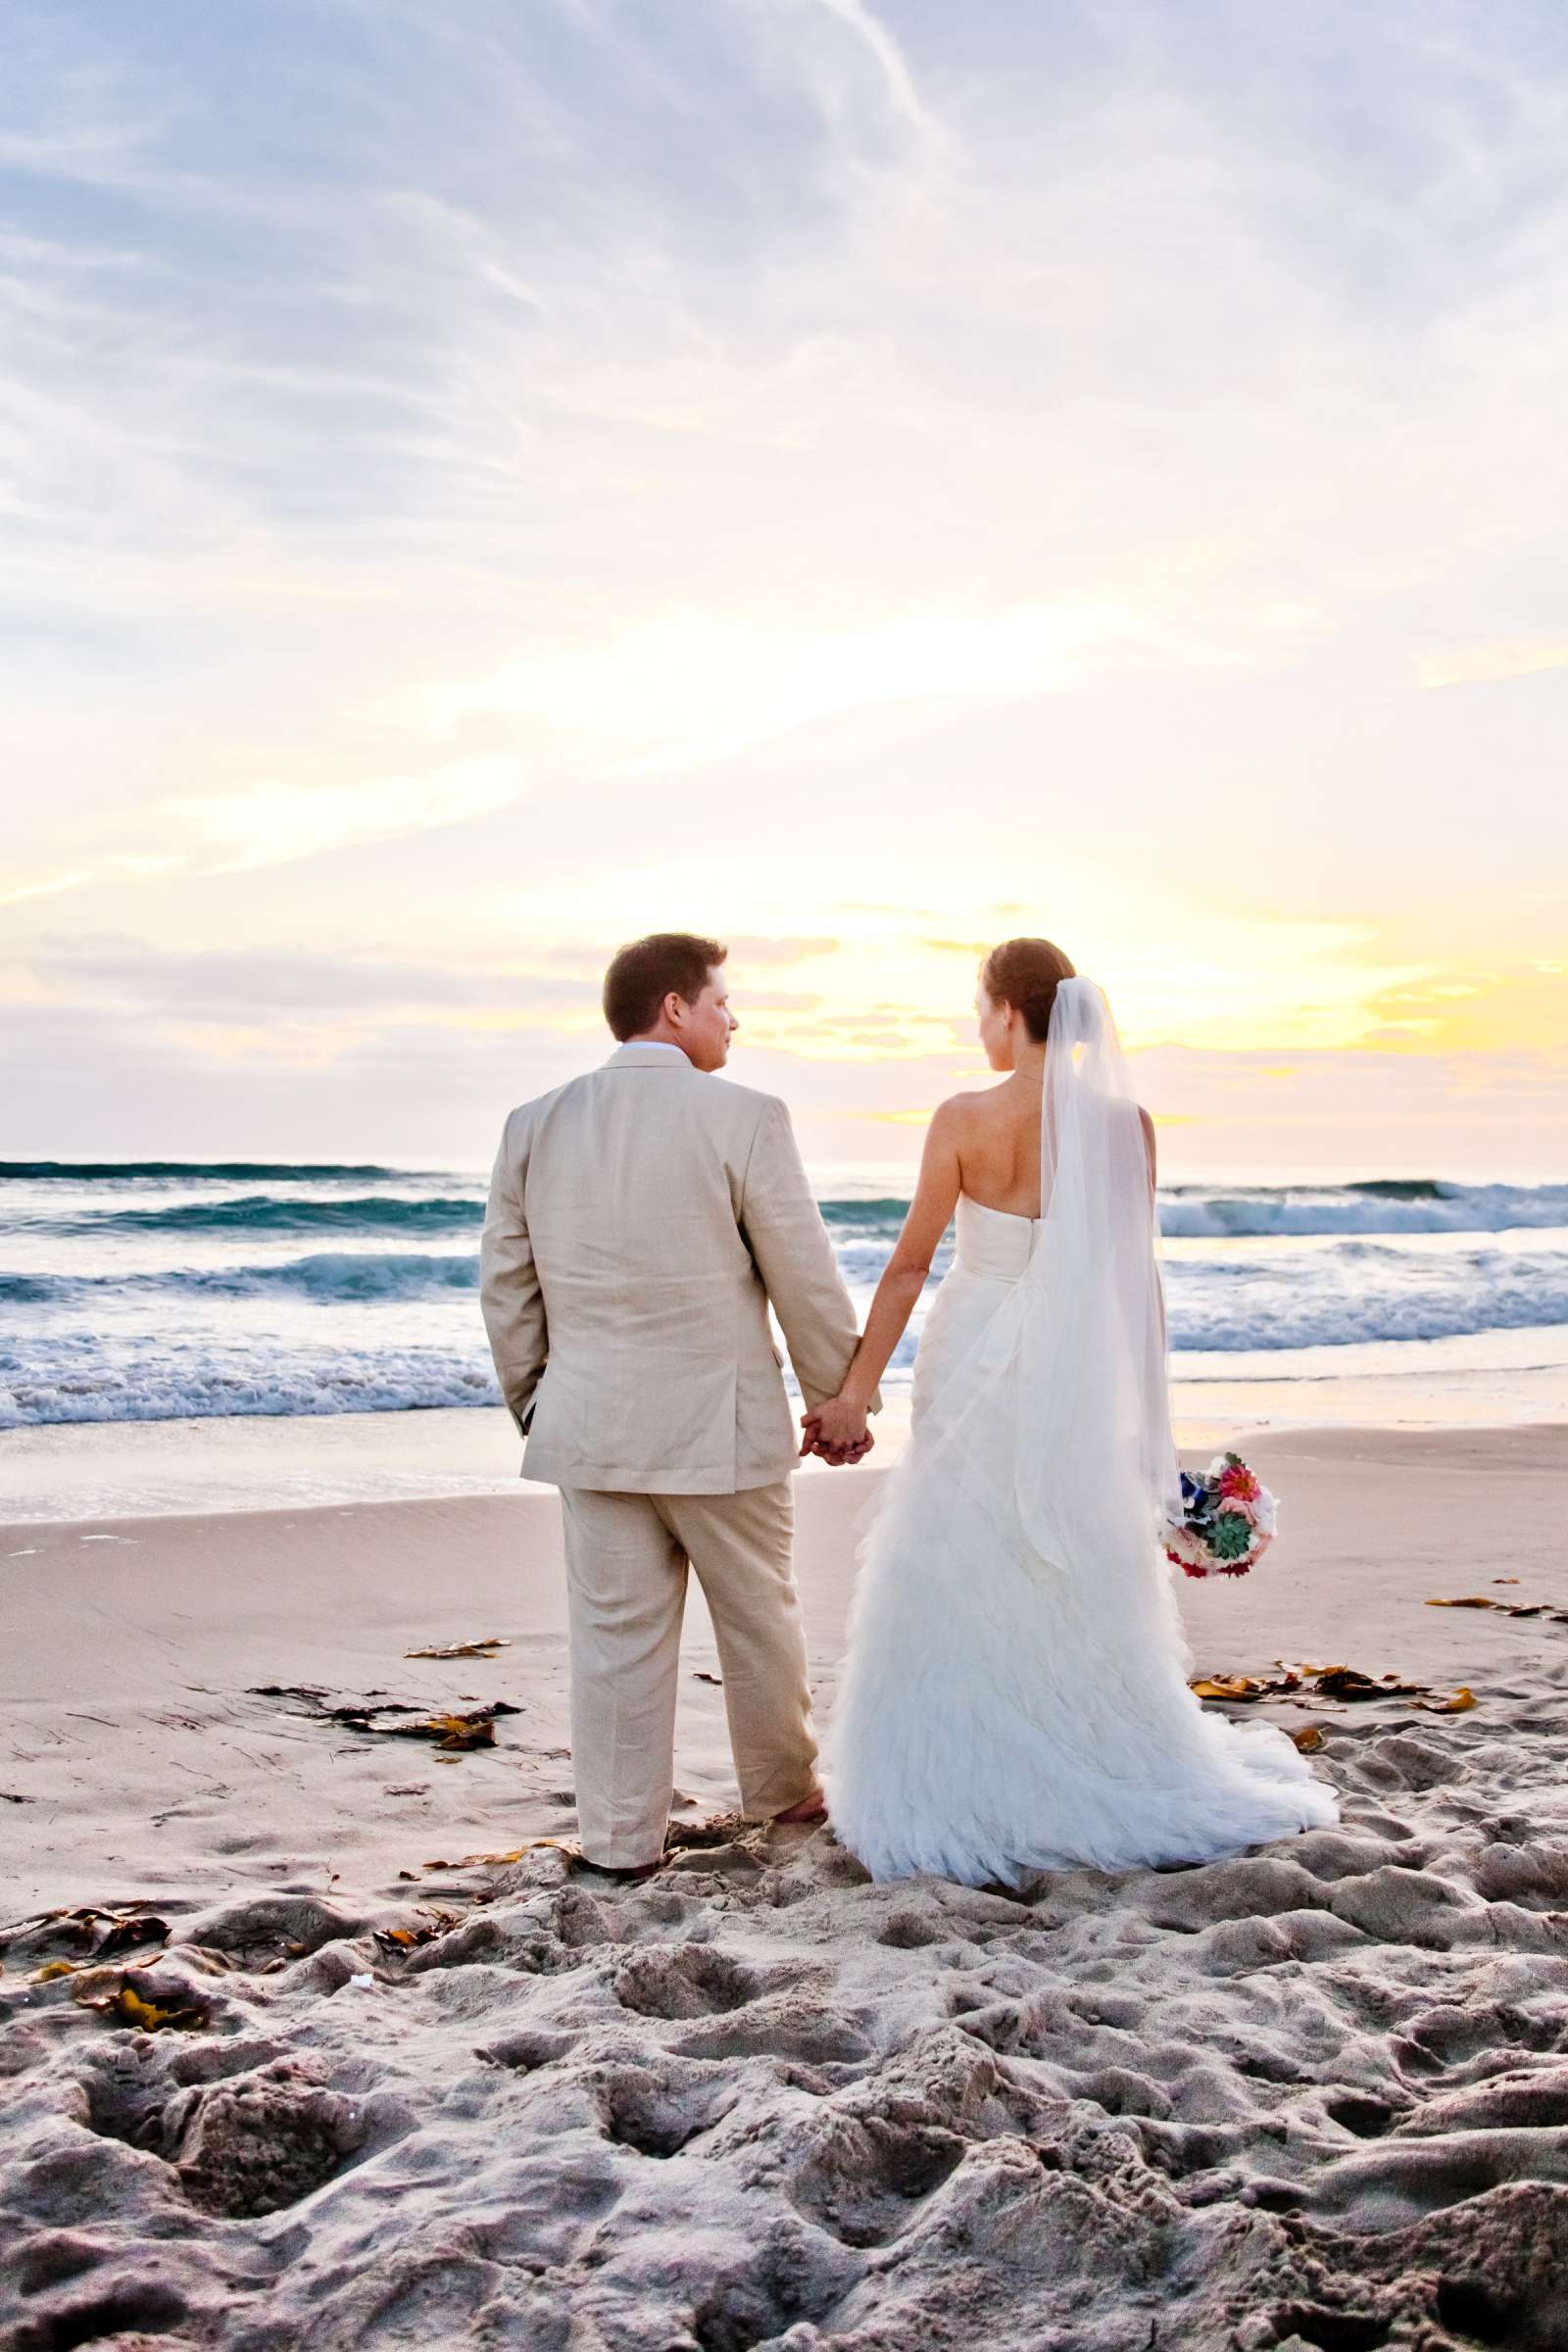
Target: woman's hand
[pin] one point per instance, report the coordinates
(837, 1431)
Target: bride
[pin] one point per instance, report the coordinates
(1014, 1697)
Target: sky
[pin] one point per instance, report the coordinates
(483, 480)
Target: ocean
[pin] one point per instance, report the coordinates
(169, 1292)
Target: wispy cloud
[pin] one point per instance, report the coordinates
(270, 824)
(12, 894)
(1500, 658)
(906, 100)
(749, 951)
(248, 985)
(696, 685)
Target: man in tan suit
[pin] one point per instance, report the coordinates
(641, 1219)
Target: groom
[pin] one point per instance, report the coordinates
(641, 1219)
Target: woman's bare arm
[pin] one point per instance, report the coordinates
(936, 1196)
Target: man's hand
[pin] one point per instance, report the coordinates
(837, 1432)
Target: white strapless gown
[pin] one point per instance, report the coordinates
(999, 1713)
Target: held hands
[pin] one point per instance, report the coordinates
(837, 1431)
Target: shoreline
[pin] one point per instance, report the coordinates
(61, 1471)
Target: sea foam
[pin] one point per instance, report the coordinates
(153, 1290)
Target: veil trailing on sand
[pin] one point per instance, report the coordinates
(1064, 1406)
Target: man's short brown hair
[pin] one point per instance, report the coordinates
(644, 974)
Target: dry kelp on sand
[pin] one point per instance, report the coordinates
(1504, 1608)
(141, 2004)
(1307, 1684)
(484, 1647)
(474, 1727)
(85, 1930)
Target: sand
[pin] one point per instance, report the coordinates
(330, 2095)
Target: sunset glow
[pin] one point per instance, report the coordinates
(486, 483)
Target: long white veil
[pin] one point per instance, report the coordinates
(1063, 1409)
(1092, 1335)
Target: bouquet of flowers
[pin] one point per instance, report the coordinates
(1228, 1520)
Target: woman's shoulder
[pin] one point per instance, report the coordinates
(967, 1129)
(973, 1107)
(956, 1121)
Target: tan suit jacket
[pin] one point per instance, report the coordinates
(641, 1218)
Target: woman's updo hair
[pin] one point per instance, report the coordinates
(1024, 973)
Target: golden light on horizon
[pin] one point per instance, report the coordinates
(883, 985)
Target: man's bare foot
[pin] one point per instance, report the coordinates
(809, 1808)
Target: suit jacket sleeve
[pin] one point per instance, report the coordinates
(509, 1294)
(783, 1230)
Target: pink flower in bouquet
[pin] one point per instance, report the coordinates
(1237, 1485)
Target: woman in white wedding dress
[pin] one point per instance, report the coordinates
(1015, 1694)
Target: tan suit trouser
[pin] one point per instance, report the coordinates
(626, 1562)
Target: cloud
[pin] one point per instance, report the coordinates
(13, 893)
(751, 950)
(249, 986)
(1521, 1010)
(904, 98)
(695, 686)
(1500, 658)
(1346, 1117)
(403, 1089)
(776, 1000)
(267, 824)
